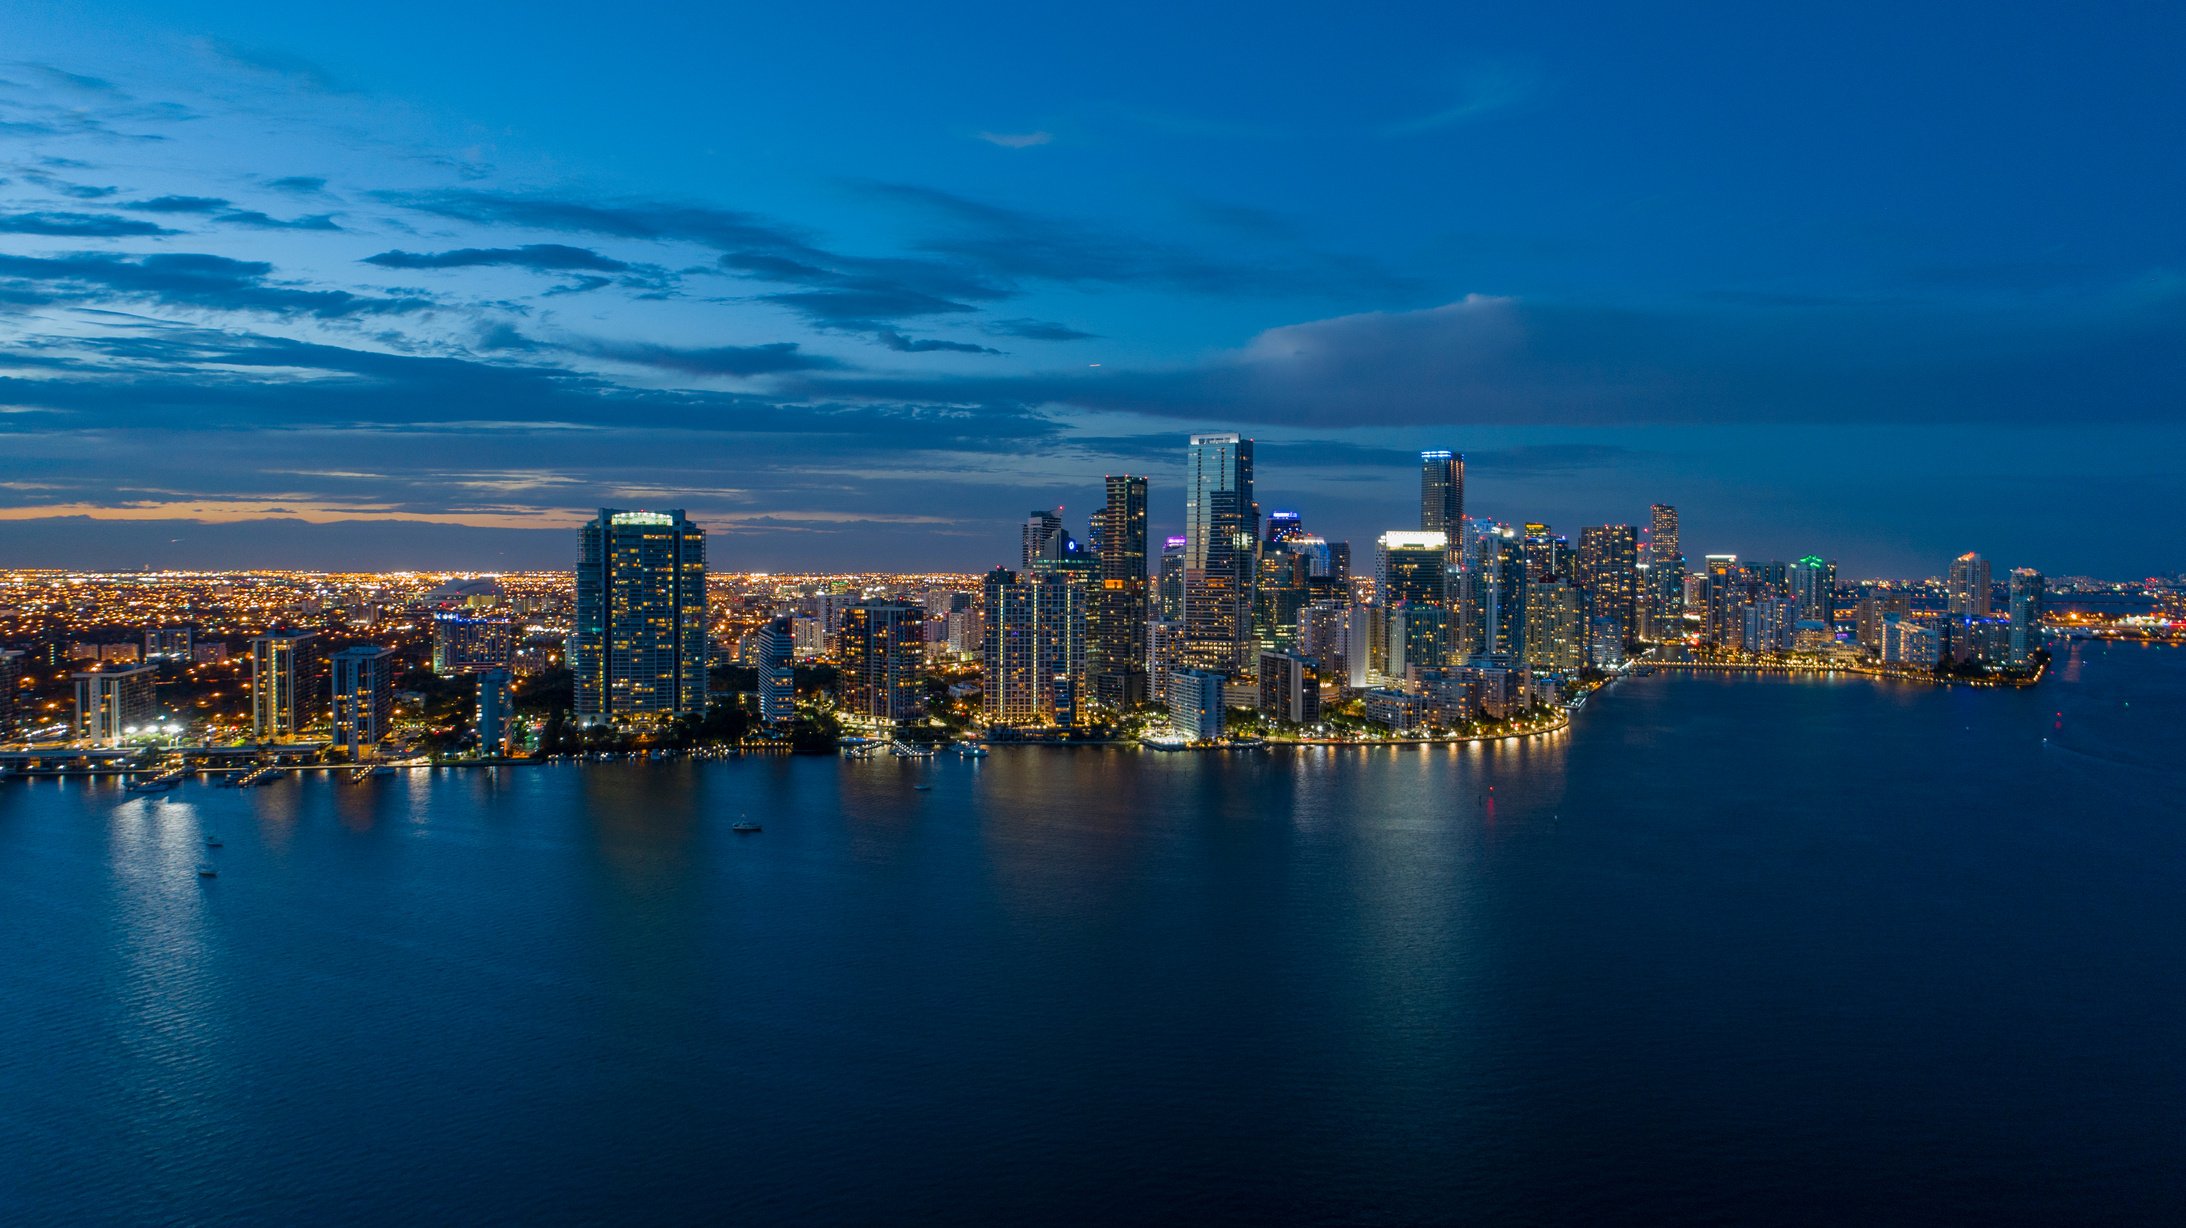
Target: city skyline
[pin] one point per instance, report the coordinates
(281, 292)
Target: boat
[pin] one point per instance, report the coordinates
(922, 788)
(746, 828)
(212, 842)
(160, 785)
(205, 870)
(972, 750)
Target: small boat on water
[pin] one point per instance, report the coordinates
(922, 788)
(972, 751)
(160, 785)
(745, 828)
(212, 842)
(205, 870)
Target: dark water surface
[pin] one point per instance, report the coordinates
(1731, 950)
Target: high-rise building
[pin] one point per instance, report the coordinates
(776, 658)
(1503, 602)
(1442, 493)
(496, 712)
(883, 647)
(1116, 654)
(1284, 527)
(1555, 628)
(1548, 555)
(113, 704)
(11, 691)
(1411, 580)
(364, 699)
(1041, 527)
(1033, 659)
(1282, 588)
(1970, 593)
(1813, 581)
(640, 643)
(280, 676)
(1874, 609)
(2028, 593)
(1290, 687)
(1665, 597)
(1196, 703)
(1770, 622)
(173, 642)
(463, 644)
(1169, 583)
(1723, 610)
(1221, 526)
(1608, 575)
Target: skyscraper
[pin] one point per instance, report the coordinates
(11, 698)
(364, 699)
(467, 645)
(1118, 614)
(1970, 594)
(1411, 580)
(1041, 526)
(776, 662)
(1723, 616)
(496, 712)
(279, 676)
(1033, 657)
(1442, 493)
(1555, 635)
(1221, 524)
(1608, 574)
(111, 704)
(1813, 581)
(1169, 582)
(1665, 575)
(2027, 595)
(883, 646)
(1503, 600)
(640, 644)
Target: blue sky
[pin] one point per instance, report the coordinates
(412, 285)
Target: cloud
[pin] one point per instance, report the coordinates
(542, 257)
(226, 212)
(736, 360)
(1037, 330)
(293, 70)
(723, 228)
(1017, 140)
(302, 185)
(253, 218)
(855, 307)
(906, 345)
(1482, 92)
(1498, 361)
(179, 204)
(1010, 245)
(79, 226)
(205, 282)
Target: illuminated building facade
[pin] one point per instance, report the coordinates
(883, 649)
(1117, 613)
(463, 644)
(364, 699)
(1221, 525)
(1969, 588)
(1442, 493)
(639, 649)
(280, 677)
(112, 704)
